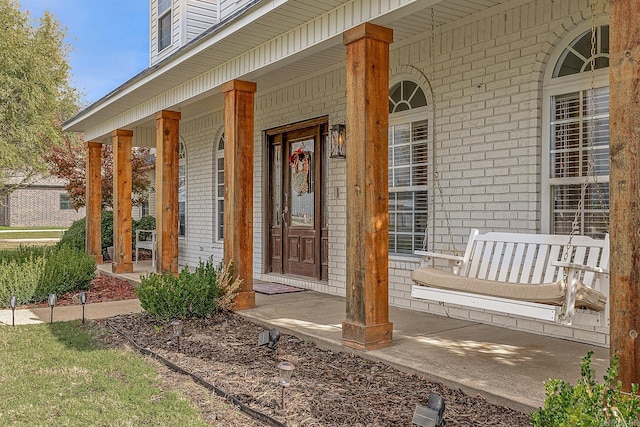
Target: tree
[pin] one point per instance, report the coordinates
(35, 93)
(68, 161)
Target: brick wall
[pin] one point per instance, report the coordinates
(487, 73)
(39, 207)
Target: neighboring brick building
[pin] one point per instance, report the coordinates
(42, 204)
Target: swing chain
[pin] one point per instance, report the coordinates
(436, 174)
(593, 121)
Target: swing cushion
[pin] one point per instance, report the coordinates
(546, 293)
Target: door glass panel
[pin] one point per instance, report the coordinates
(301, 161)
(276, 185)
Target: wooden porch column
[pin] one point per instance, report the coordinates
(122, 201)
(238, 186)
(624, 80)
(367, 324)
(167, 162)
(94, 201)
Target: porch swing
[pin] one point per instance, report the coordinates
(544, 277)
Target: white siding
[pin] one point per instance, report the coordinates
(176, 34)
(201, 15)
(229, 7)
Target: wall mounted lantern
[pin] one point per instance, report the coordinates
(338, 141)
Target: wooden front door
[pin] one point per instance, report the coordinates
(296, 196)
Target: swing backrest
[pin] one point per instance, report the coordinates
(529, 258)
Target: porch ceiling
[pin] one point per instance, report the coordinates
(259, 26)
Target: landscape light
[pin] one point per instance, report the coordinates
(52, 303)
(177, 331)
(431, 415)
(286, 370)
(83, 301)
(13, 302)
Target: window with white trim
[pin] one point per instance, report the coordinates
(220, 190)
(182, 191)
(408, 167)
(578, 134)
(164, 24)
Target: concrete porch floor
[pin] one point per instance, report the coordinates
(507, 367)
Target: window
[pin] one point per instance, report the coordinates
(220, 190)
(408, 167)
(65, 202)
(578, 135)
(164, 24)
(144, 211)
(182, 191)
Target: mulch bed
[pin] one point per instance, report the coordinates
(102, 289)
(327, 388)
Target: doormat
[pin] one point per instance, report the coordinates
(274, 288)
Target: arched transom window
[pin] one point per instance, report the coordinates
(408, 167)
(579, 133)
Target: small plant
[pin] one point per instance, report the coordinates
(20, 278)
(32, 273)
(196, 294)
(589, 403)
(65, 269)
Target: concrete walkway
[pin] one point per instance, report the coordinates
(507, 367)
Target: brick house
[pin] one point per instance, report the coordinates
(44, 203)
(241, 97)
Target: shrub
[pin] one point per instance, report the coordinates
(589, 403)
(76, 235)
(196, 294)
(22, 253)
(66, 269)
(20, 277)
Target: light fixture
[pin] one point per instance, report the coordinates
(338, 141)
(286, 370)
(431, 415)
(13, 302)
(52, 303)
(270, 338)
(83, 301)
(177, 331)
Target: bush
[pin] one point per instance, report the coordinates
(66, 269)
(32, 273)
(76, 235)
(196, 294)
(20, 278)
(589, 403)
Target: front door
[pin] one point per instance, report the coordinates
(297, 227)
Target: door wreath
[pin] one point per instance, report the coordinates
(300, 163)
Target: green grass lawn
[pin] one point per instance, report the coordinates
(10, 237)
(59, 375)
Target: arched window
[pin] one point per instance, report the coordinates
(220, 189)
(578, 131)
(182, 190)
(408, 167)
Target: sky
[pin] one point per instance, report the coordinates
(109, 40)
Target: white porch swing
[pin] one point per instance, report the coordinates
(540, 276)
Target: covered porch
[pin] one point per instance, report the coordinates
(334, 64)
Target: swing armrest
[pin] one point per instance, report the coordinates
(570, 265)
(455, 258)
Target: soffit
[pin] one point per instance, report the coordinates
(219, 48)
